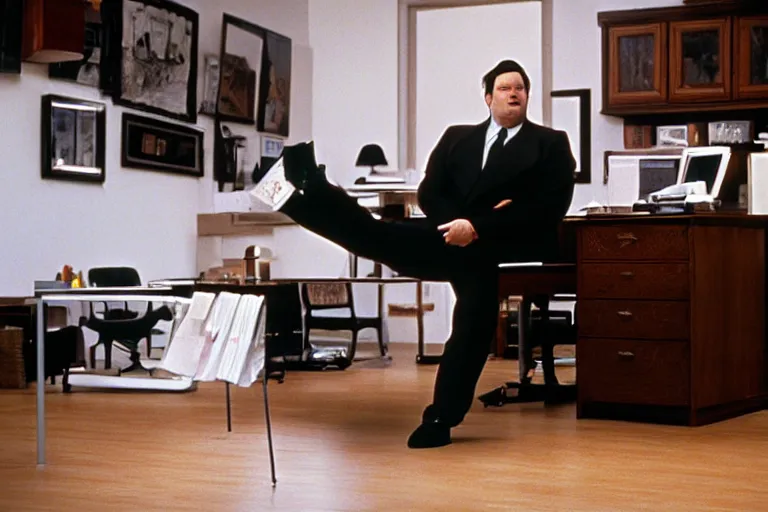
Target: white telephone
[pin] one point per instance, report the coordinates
(679, 197)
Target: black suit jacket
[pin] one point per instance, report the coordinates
(535, 172)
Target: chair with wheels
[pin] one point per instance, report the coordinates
(120, 325)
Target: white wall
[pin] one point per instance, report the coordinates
(455, 47)
(577, 64)
(139, 218)
(355, 81)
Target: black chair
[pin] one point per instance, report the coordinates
(330, 296)
(546, 329)
(121, 325)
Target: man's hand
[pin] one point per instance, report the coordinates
(458, 232)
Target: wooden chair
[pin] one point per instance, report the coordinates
(337, 296)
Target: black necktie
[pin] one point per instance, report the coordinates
(496, 148)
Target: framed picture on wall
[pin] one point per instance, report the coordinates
(72, 139)
(571, 112)
(150, 56)
(11, 15)
(148, 143)
(275, 90)
(242, 47)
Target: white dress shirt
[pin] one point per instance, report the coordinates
(492, 132)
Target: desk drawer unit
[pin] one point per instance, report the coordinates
(634, 319)
(668, 309)
(637, 242)
(632, 280)
(639, 372)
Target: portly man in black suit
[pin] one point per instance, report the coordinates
(494, 192)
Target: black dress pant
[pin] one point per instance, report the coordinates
(417, 249)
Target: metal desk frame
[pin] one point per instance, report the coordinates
(73, 295)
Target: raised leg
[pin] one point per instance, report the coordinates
(411, 248)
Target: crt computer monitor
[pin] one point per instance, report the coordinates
(707, 164)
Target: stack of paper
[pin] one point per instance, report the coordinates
(240, 341)
(216, 332)
(183, 353)
(220, 340)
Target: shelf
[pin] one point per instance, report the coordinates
(668, 108)
(245, 223)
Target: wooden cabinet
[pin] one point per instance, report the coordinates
(750, 53)
(671, 317)
(700, 60)
(637, 64)
(708, 57)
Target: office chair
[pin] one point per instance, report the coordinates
(121, 325)
(330, 296)
(545, 329)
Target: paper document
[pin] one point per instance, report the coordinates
(185, 347)
(216, 332)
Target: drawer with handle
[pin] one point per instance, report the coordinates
(637, 319)
(634, 281)
(634, 242)
(631, 371)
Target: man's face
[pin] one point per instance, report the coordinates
(509, 101)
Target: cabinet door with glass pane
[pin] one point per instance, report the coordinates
(637, 62)
(751, 54)
(700, 60)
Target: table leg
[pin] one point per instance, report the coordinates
(421, 357)
(40, 381)
(524, 354)
(352, 265)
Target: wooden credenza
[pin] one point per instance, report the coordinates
(671, 317)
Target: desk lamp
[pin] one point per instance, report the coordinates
(371, 155)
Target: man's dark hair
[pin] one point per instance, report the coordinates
(505, 66)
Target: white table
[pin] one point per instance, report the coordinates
(42, 297)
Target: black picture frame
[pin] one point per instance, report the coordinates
(73, 139)
(152, 144)
(275, 85)
(133, 72)
(583, 138)
(238, 90)
(11, 19)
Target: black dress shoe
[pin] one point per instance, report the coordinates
(300, 165)
(430, 435)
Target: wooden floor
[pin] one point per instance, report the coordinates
(340, 445)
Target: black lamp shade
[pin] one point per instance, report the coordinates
(371, 155)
